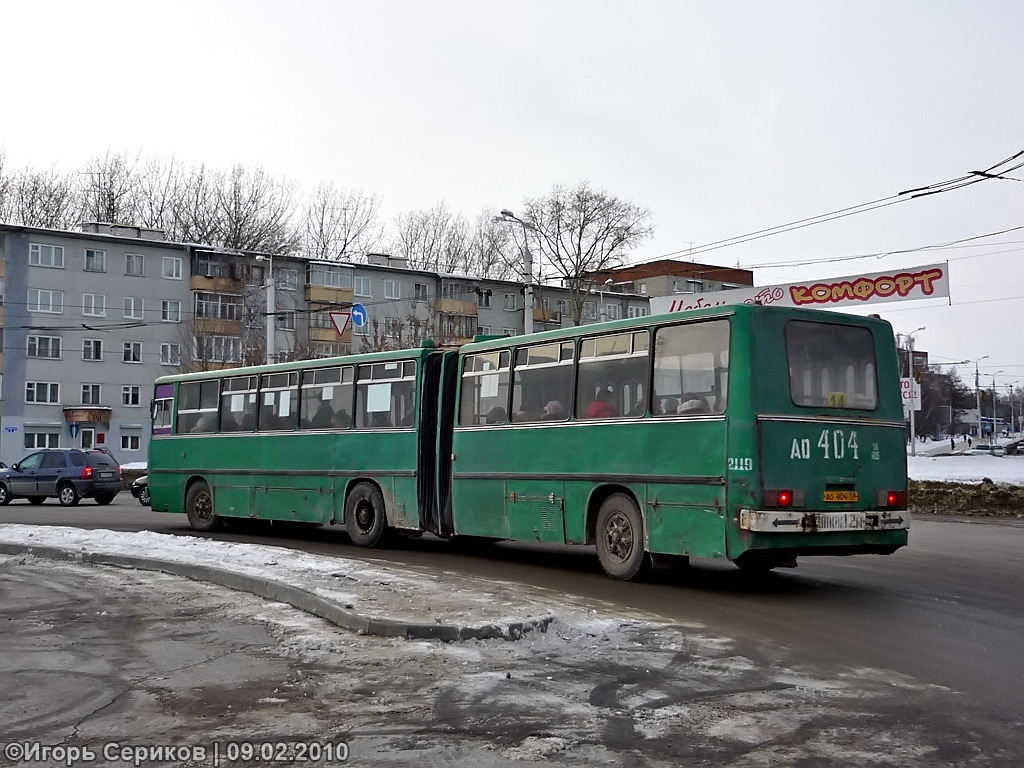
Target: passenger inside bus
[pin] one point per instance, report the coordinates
(602, 406)
(553, 411)
(694, 406)
(495, 416)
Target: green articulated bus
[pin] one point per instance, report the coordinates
(757, 434)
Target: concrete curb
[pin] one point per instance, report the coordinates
(297, 597)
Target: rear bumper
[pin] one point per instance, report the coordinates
(802, 521)
(97, 488)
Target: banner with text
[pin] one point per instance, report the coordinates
(931, 282)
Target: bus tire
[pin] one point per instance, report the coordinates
(365, 518)
(620, 537)
(199, 508)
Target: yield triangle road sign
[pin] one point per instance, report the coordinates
(340, 320)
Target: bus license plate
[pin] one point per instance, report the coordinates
(840, 496)
(839, 521)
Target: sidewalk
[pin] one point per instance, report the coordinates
(371, 600)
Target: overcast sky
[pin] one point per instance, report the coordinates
(722, 118)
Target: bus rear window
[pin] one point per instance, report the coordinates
(831, 366)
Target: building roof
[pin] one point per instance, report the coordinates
(675, 268)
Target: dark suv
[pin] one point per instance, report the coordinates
(69, 474)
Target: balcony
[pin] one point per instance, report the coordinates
(456, 307)
(326, 295)
(212, 326)
(217, 284)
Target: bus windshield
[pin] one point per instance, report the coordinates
(831, 366)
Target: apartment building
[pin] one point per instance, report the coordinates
(89, 319)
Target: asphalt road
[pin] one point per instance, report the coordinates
(948, 610)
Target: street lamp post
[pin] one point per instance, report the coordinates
(992, 440)
(507, 216)
(913, 401)
(977, 392)
(270, 322)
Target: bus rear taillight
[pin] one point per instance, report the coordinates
(774, 497)
(896, 499)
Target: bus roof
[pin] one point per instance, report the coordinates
(424, 349)
(725, 310)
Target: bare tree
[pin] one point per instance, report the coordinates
(159, 186)
(5, 184)
(341, 224)
(110, 190)
(579, 230)
(436, 240)
(255, 212)
(492, 251)
(194, 209)
(42, 199)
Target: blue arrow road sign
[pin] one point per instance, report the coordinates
(359, 315)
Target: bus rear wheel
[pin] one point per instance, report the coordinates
(365, 518)
(199, 508)
(620, 537)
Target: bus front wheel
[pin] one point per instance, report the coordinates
(199, 508)
(365, 518)
(620, 537)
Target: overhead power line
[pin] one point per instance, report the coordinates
(996, 171)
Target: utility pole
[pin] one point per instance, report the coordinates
(507, 216)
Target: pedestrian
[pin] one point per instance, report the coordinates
(969, 441)
(952, 443)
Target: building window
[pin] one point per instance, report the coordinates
(639, 311)
(420, 292)
(454, 291)
(510, 302)
(42, 392)
(320, 320)
(216, 306)
(484, 330)
(131, 395)
(42, 300)
(392, 290)
(458, 326)
(611, 311)
(483, 299)
(361, 330)
(329, 277)
(329, 349)
(170, 311)
(508, 332)
(92, 349)
(90, 394)
(132, 352)
(392, 327)
(36, 440)
(170, 354)
(218, 349)
(47, 347)
(95, 261)
(46, 255)
(133, 307)
(135, 264)
(131, 442)
(255, 276)
(361, 286)
(286, 321)
(94, 305)
(171, 267)
(287, 279)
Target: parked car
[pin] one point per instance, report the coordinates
(140, 490)
(69, 474)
